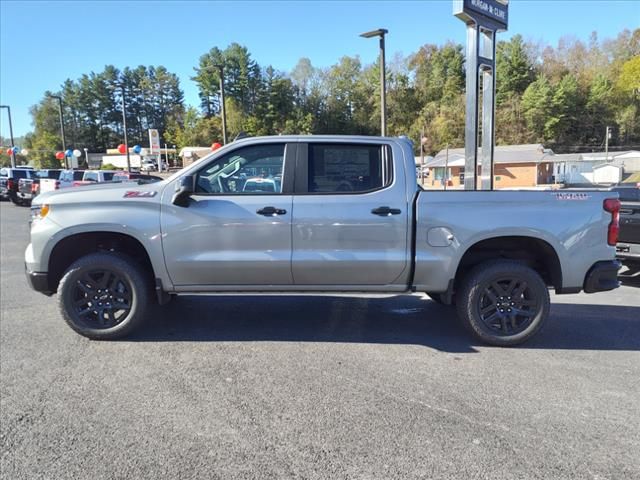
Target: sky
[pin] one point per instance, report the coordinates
(42, 43)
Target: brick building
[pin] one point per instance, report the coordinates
(513, 166)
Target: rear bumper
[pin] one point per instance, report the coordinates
(602, 276)
(39, 281)
(628, 252)
(25, 196)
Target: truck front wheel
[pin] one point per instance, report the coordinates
(503, 302)
(104, 296)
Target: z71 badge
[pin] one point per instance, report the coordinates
(572, 196)
(138, 194)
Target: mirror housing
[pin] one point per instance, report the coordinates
(184, 188)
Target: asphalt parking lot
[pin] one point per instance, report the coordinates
(315, 387)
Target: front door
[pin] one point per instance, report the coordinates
(350, 216)
(237, 227)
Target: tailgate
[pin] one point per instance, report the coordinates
(629, 222)
(24, 185)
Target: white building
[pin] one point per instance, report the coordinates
(580, 168)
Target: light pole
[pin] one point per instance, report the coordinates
(86, 156)
(222, 110)
(124, 127)
(13, 154)
(64, 143)
(381, 32)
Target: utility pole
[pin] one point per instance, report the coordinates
(13, 154)
(64, 143)
(422, 157)
(606, 145)
(124, 126)
(223, 113)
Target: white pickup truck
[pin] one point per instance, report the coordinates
(345, 214)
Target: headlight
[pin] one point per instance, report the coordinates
(39, 211)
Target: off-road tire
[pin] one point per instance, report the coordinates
(132, 282)
(475, 297)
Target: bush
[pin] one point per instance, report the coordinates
(108, 166)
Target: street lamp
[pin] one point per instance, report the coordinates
(222, 110)
(381, 32)
(64, 146)
(13, 153)
(124, 126)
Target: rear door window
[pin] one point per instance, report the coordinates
(344, 168)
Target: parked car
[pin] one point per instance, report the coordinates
(95, 176)
(139, 178)
(65, 180)
(9, 178)
(260, 185)
(628, 246)
(148, 166)
(28, 188)
(492, 254)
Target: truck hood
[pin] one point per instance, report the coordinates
(105, 192)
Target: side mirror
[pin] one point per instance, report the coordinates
(184, 188)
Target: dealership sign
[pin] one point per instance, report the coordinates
(154, 141)
(485, 12)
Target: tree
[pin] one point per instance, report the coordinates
(514, 69)
(562, 123)
(536, 102)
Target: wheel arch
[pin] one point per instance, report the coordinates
(70, 248)
(535, 252)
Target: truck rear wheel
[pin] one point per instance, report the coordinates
(104, 296)
(503, 302)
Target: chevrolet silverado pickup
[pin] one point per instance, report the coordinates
(346, 215)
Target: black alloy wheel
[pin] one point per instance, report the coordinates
(507, 305)
(102, 298)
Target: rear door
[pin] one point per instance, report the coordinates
(350, 215)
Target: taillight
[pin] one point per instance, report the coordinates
(612, 205)
(57, 185)
(34, 187)
(10, 184)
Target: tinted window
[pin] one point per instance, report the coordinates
(21, 174)
(77, 175)
(628, 194)
(108, 176)
(251, 170)
(91, 176)
(347, 168)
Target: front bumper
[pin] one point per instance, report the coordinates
(602, 276)
(39, 281)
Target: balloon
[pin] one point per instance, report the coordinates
(122, 148)
(68, 153)
(137, 149)
(60, 155)
(9, 151)
(24, 152)
(143, 151)
(16, 150)
(215, 146)
(77, 153)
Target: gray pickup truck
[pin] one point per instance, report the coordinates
(318, 214)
